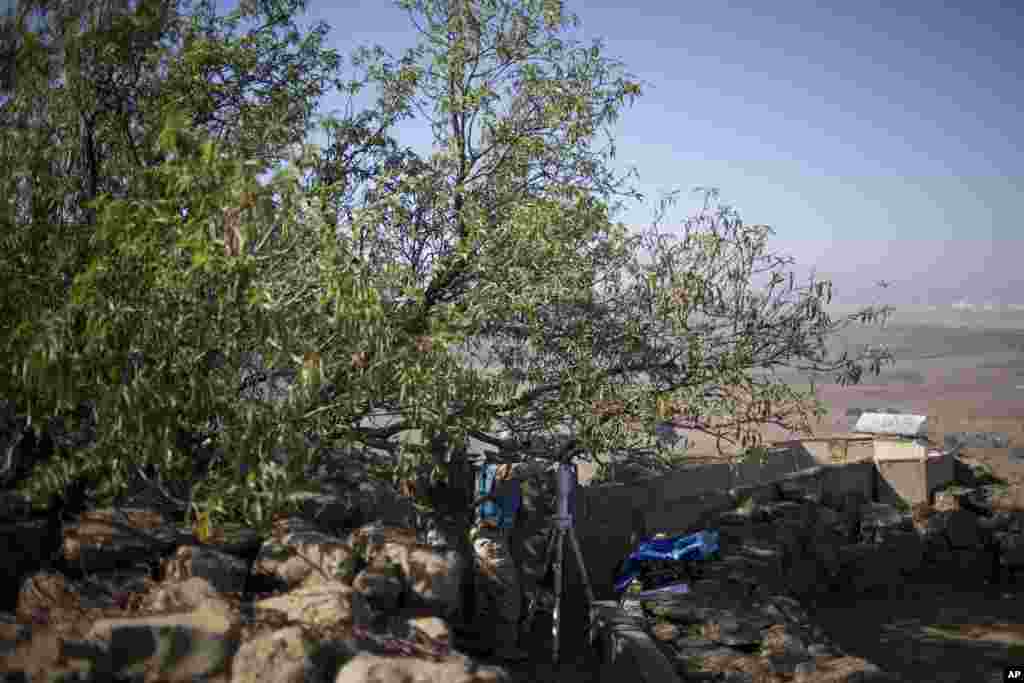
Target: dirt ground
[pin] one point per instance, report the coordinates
(930, 633)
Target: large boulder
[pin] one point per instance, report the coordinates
(373, 669)
(433, 577)
(301, 554)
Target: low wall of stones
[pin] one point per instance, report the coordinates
(611, 516)
(819, 530)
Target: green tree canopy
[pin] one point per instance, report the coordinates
(484, 287)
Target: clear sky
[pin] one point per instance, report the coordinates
(880, 141)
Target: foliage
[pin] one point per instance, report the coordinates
(486, 285)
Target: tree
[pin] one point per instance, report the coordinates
(502, 241)
(96, 83)
(484, 285)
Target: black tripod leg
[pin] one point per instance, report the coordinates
(557, 616)
(549, 555)
(587, 590)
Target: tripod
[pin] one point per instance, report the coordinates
(562, 526)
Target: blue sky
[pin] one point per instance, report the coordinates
(880, 142)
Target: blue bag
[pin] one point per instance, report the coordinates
(503, 513)
(697, 546)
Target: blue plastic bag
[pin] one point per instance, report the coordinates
(502, 512)
(697, 546)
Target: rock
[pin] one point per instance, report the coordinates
(779, 640)
(958, 440)
(226, 573)
(784, 664)
(326, 510)
(878, 519)
(287, 655)
(803, 577)
(666, 631)
(826, 552)
(1001, 521)
(327, 604)
(819, 650)
(758, 495)
(25, 546)
(381, 585)
(864, 568)
(177, 647)
(961, 528)
(729, 630)
(1011, 549)
(970, 563)
(185, 595)
(804, 671)
(14, 507)
(431, 629)
(304, 555)
(196, 622)
(740, 516)
(981, 500)
(12, 633)
(828, 518)
(374, 669)
(783, 510)
(433, 578)
(46, 597)
(946, 501)
(106, 538)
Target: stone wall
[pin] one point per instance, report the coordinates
(611, 516)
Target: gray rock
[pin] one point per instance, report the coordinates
(819, 650)
(864, 568)
(804, 671)
(826, 551)
(976, 440)
(797, 486)
(803, 577)
(878, 519)
(961, 529)
(999, 522)
(382, 587)
(735, 632)
(785, 664)
(905, 550)
(225, 572)
(829, 518)
(1011, 549)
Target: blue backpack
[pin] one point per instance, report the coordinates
(503, 513)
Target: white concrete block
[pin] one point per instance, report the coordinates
(892, 424)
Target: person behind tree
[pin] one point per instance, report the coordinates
(497, 587)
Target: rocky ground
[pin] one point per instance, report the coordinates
(129, 594)
(374, 605)
(852, 590)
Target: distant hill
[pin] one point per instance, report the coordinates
(960, 314)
